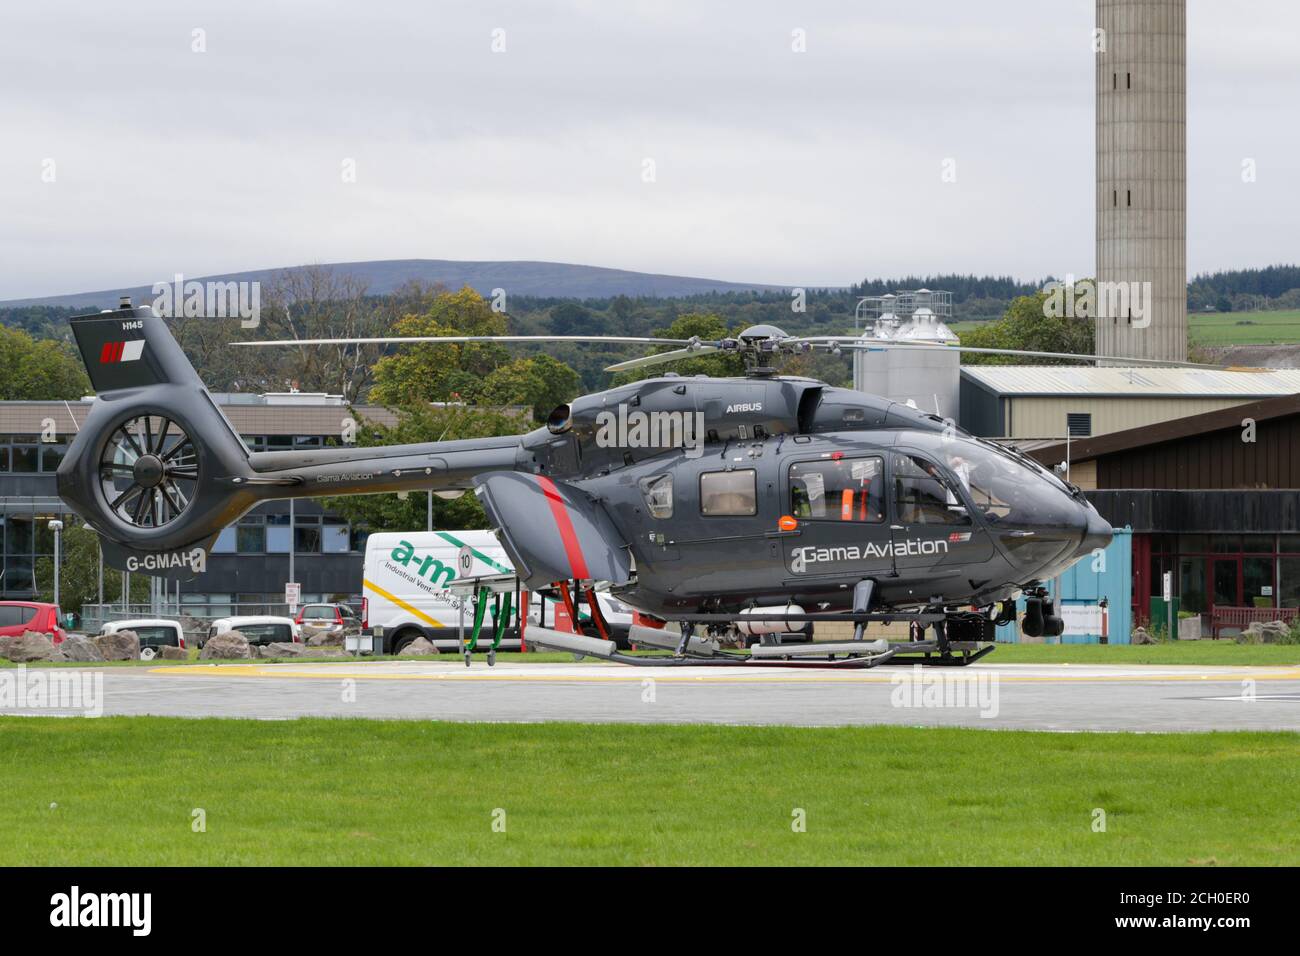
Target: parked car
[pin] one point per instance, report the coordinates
(19, 616)
(258, 630)
(329, 618)
(154, 634)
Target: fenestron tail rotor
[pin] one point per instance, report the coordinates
(148, 471)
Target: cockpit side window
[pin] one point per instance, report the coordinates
(838, 489)
(922, 495)
(657, 490)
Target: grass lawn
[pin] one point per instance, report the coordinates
(1245, 328)
(1222, 328)
(344, 792)
(1224, 652)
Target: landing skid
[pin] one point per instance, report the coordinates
(925, 653)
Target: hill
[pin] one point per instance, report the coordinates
(541, 279)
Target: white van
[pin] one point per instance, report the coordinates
(405, 588)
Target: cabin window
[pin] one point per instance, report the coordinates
(843, 489)
(657, 490)
(922, 496)
(729, 493)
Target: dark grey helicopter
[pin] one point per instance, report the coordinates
(760, 503)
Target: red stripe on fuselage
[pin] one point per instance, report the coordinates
(560, 511)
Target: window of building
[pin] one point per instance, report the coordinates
(250, 535)
(1288, 582)
(277, 534)
(335, 536)
(51, 455)
(729, 493)
(307, 538)
(225, 543)
(845, 489)
(922, 496)
(657, 490)
(26, 457)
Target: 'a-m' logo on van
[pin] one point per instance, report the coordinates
(428, 567)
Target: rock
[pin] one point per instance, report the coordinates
(419, 647)
(78, 647)
(30, 647)
(281, 649)
(169, 653)
(318, 637)
(324, 652)
(5, 643)
(119, 646)
(228, 646)
(1274, 632)
(1140, 636)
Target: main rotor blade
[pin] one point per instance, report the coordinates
(660, 357)
(858, 343)
(457, 339)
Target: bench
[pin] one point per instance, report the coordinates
(1242, 617)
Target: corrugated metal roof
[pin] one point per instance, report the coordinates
(1138, 382)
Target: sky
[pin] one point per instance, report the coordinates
(672, 136)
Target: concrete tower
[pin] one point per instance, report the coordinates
(1141, 51)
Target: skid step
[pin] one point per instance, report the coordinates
(825, 649)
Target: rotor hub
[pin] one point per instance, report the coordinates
(148, 471)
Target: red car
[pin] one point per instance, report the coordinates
(19, 616)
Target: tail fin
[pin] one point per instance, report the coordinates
(130, 348)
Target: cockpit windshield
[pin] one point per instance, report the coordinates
(1006, 490)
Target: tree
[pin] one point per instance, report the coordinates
(39, 370)
(572, 319)
(79, 575)
(427, 372)
(1030, 325)
(540, 382)
(418, 425)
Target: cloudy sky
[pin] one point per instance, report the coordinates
(769, 165)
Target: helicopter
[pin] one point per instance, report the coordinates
(756, 505)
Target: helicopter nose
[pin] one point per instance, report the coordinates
(1097, 532)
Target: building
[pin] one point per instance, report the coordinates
(249, 565)
(1211, 498)
(1141, 201)
(924, 378)
(1044, 401)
